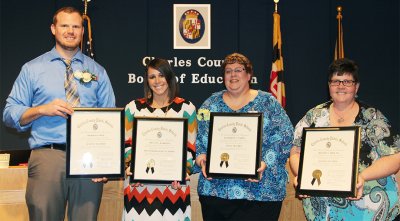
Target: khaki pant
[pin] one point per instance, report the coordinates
(48, 190)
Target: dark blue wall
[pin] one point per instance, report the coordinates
(126, 31)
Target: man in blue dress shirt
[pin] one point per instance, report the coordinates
(38, 103)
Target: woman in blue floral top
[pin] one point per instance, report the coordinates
(377, 194)
(229, 199)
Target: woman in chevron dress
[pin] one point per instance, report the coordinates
(159, 202)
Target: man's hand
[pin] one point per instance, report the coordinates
(100, 180)
(57, 107)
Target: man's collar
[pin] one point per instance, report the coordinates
(56, 56)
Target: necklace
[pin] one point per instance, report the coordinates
(166, 110)
(341, 118)
(161, 107)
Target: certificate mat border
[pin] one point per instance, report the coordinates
(121, 172)
(356, 150)
(259, 131)
(135, 130)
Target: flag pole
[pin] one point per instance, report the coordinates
(86, 5)
(276, 5)
(339, 49)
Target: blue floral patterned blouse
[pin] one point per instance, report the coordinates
(276, 144)
(380, 199)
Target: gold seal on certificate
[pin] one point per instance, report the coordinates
(95, 144)
(316, 174)
(224, 159)
(87, 160)
(150, 166)
(234, 145)
(329, 161)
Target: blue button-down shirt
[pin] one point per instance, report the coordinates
(40, 82)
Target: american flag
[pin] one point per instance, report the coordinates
(277, 85)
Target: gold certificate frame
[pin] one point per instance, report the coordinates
(329, 161)
(95, 143)
(159, 150)
(234, 145)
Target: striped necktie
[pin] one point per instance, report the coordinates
(71, 88)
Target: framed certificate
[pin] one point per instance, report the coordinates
(95, 143)
(159, 150)
(234, 145)
(329, 161)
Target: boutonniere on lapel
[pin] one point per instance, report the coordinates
(85, 76)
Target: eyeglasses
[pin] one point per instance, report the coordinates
(347, 83)
(236, 70)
